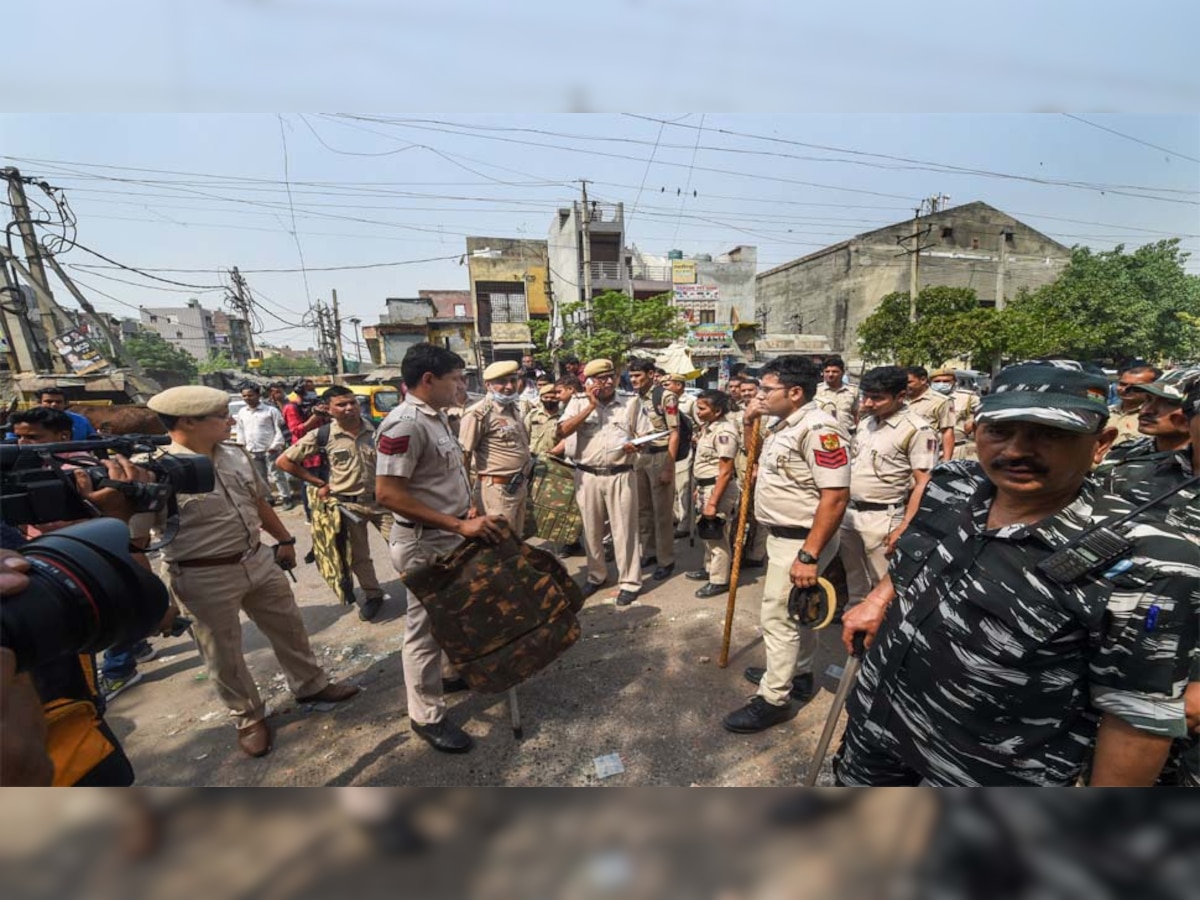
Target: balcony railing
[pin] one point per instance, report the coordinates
(615, 271)
(652, 273)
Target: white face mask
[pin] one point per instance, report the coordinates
(504, 399)
(942, 387)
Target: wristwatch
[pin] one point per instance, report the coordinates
(805, 557)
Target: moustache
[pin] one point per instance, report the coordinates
(1021, 462)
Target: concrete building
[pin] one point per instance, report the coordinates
(829, 293)
(509, 287)
(232, 337)
(452, 325)
(191, 328)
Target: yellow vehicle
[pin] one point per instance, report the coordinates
(377, 400)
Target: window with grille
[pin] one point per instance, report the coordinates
(506, 300)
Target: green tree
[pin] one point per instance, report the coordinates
(282, 367)
(161, 358)
(619, 324)
(950, 324)
(217, 362)
(539, 332)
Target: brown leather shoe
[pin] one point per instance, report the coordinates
(334, 692)
(255, 740)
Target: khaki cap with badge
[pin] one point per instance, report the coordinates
(548, 390)
(501, 370)
(598, 367)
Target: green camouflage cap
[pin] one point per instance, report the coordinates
(1170, 392)
(1064, 398)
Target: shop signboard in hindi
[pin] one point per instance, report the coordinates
(83, 358)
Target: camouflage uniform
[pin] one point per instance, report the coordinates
(717, 441)
(1137, 471)
(416, 443)
(656, 501)
(965, 404)
(802, 455)
(541, 426)
(985, 672)
(497, 440)
(885, 454)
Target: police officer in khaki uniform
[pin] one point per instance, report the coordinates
(835, 396)
(422, 478)
(542, 421)
(683, 512)
(603, 424)
(933, 407)
(965, 404)
(755, 552)
(1124, 416)
(717, 491)
(494, 438)
(655, 468)
(217, 567)
(350, 457)
(800, 494)
(892, 453)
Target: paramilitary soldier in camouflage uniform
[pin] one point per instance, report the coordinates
(717, 491)
(655, 470)
(989, 670)
(934, 407)
(603, 424)
(542, 421)
(1143, 469)
(893, 451)
(966, 404)
(494, 437)
(350, 456)
(800, 494)
(422, 478)
(836, 397)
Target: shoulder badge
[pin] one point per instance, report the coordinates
(834, 455)
(830, 441)
(394, 446)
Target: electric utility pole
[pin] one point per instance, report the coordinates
(244, 306)
(584, 220)
(337, 336)
(36, 274)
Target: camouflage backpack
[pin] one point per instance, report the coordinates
(501, 612)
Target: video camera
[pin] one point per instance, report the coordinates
(36, 486)
(85, 593)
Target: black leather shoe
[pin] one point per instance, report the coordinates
(712, 590)
(662, 573)
(696, 575)
(590, 588)
(370, 608)
(573, 549)
(649, 561)
(626, 597)
(802, 685)
(444, 736)
(757, 715)
(455, 685)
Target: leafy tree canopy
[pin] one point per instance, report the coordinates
(156, 354)
(619, 324)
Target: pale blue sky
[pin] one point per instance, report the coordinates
(463, 174)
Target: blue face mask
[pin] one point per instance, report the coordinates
(942, 387)
(504, 399)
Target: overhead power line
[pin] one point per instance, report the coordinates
(1130, 137)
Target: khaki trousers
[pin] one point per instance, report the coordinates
(683, 493)
(717, 558)
(611, 500)
(423, 660)
(863, 537)
(498, 502)
(790, 647)
(213, 597)
(361, 563)
(656, 506)
(965, 451)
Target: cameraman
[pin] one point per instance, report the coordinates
(83, 749)
(302, 415)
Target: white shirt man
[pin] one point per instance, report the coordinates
(260, 428)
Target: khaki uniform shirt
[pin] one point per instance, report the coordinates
(606, 430)
(541, 426)
(1126, 424)
(351, 458)
(686, 404)
(665, 421)
(415, 442)
(885, 454)
(716, 441)
(966, 404)
(802, 455)
(223, 522)
(496, 437)
(841, 404)
(935, 409)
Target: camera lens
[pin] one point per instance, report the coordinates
(85, 593)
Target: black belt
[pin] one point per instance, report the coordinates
(788, 532)
(353, 498)
(404, 524)
(863, 506)
(705, 482)
(655, 449)
(603, 470)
